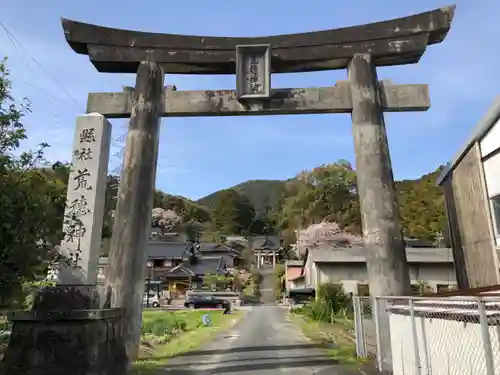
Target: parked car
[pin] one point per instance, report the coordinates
(153, 300)
(197, 302)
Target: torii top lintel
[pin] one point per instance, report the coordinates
(393, 42)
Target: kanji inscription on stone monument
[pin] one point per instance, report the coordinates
(253, 71)
(85, 201)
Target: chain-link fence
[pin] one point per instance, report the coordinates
(429, 336)
(365, 333)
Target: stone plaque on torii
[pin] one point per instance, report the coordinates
(359, 49)
(253, 72)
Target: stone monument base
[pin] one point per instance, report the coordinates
(65, 333)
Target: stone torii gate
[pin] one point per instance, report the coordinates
(359, 49)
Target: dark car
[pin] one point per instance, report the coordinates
(204, 302)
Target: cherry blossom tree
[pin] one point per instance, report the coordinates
(326, 234)
(165, 220)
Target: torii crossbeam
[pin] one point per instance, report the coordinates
(393, 42)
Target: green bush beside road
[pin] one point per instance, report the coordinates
(328, 320)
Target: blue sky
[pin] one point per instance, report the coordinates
(201, 155)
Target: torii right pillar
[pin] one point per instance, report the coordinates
(386, 262)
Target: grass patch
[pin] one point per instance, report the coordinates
(167, 334)
(336, 338)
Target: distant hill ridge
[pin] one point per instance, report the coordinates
(263, 194)
(421, 201)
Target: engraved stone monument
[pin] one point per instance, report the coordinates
(67, 331)
(83, 217)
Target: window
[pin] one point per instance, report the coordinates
(495, 212)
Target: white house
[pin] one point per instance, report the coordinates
(432, 267)
(471, 184)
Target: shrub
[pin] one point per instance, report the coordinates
(256, 281)
(256, 276)
(279, 282)
(330, 302)
(334, 294)
(169, 324)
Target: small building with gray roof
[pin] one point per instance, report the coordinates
(430, 268)
(177, 266)
(266, 249)
(232, 256)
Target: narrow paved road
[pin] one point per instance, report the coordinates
(264, 342)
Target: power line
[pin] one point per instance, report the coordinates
(20, 54)
(13, 38)
(120, 140)
(36, 87)
(43, 91)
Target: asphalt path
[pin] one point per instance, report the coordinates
(263, 342)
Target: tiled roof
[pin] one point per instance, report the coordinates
(206, 247)
(210, 246)
(207, 265)
(179, 270)
(159, 249)
(203, 266)
(358, 254)
(265, 243)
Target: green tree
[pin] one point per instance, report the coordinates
(279, 282)
(262, 226)
(329, 193)
(326, 193)
(287, 253)
(422, 207)
(233, 213)
(194, 218)
(218, 282)
(32, 199)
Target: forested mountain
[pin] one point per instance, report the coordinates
(421, 200)
(262, 194)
